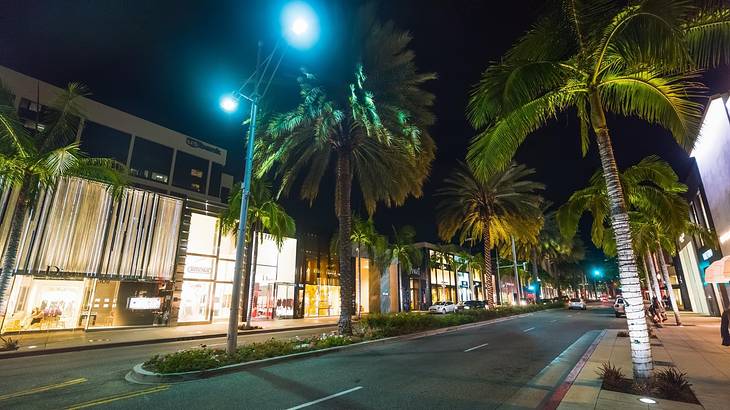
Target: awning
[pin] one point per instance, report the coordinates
(718, 271)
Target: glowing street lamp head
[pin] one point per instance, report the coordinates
(300, 24)
(228, 103)
(596, 272)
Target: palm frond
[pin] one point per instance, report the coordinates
(707, 35)
(657, 99)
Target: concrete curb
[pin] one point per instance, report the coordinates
(25, 353)
(559, 393)
(138, 375)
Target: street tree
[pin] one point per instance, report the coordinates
(593, 57)
(33, 159)
(265, 215)
(372, 128)
(488, 209)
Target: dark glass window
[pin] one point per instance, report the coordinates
(191, 172)
(151, 160)
(103, 142)
(215, 180)
(34, 115)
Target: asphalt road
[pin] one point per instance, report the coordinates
(481, 367)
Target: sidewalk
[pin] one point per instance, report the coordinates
(694, 348)
(59, 341)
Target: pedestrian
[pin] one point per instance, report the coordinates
(724, 324)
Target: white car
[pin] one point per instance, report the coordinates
(576, 303)
(619, 307)
(442, 307)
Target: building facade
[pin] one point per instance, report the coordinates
(709, 199)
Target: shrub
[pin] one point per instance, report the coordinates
(613, 377)
(206, 358)
(672, 384)
(9, 344)
(622, 333)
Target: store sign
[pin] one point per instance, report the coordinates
(144, 303)
(200, 145)
(198, 267)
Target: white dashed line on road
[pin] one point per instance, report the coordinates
(331, 396)
(475, 347)
(527, 330)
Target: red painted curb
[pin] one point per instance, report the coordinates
(562, 390)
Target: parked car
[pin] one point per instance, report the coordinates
(442, 307)
(619, 306)
(577, 303)
(473, 304)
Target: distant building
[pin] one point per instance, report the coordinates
(159, 159)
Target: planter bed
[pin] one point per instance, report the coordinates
(203, 362)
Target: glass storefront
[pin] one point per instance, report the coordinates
(44, 304)
(209, 269)
(443, 286)
(89, 260)
(322, 284)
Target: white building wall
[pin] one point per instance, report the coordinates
(712, 153)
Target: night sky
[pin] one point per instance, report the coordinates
(170, 61)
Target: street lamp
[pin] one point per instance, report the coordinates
(297, 27)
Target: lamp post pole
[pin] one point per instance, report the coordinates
(232, 340)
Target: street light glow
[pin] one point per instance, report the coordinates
(596, 272)
(300, 25)
(228, 103)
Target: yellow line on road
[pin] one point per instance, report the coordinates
(124, 396)
(42, 388)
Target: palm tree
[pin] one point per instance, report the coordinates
(264, 214)
(658, 213)
(405, 255)
(488, 209)
(34, 160)
(372, 130)
(596, 56)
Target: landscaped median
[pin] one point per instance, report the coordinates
(204, 362)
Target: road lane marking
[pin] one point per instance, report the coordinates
(42, 388)
(527, 330)
(123, 396)
(475, 347)
(554, 320)
(331, 396)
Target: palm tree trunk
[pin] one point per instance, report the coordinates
(252, 276)
(668, 284)
(13, 245)
(344, 218)
(487, 265)
(630, 284)
(652, 276)
(648, 280)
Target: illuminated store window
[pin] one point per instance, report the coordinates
(194, 301)
(222, 300)
(203, 237)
